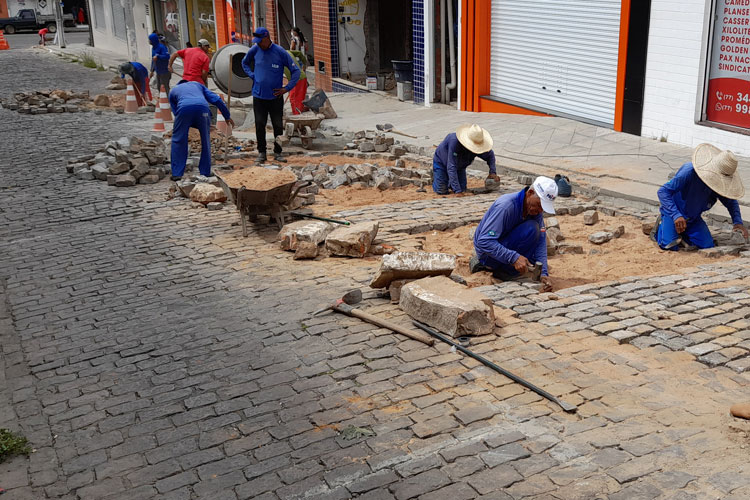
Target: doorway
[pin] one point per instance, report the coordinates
(635, 67)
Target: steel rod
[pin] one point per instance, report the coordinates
(565, 406)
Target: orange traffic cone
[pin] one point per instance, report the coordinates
(3, 42)
(131, 106)
(221, 124)
(159, 125)
(166, 111)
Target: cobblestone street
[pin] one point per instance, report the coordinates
(148, 350)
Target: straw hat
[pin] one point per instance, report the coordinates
(474, 138)
(718, 169)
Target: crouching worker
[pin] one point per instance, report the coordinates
(456, 153)
(711, 176)
(511, 237)
(189, 102)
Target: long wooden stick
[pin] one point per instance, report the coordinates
(350, 311)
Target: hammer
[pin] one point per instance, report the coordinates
(344, 306)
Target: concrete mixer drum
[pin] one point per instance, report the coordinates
(231, 56)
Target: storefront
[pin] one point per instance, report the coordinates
(169, 19)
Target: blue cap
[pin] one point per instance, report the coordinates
(260, 34)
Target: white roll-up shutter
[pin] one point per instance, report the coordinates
(556, 56)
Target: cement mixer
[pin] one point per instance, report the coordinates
(233, 82)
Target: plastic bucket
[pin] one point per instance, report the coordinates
(404, 70)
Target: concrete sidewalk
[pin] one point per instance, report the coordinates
(608, 162)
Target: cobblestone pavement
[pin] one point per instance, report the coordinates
(149, 351)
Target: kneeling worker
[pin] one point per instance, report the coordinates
(711, 176)
(511, 236)
(456, 153)
(189, 102)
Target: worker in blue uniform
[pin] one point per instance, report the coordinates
(265, 63)
(511, 236)
(189, 102)
(711, 176)
(139, 74)
(456, 153)
(159, 62)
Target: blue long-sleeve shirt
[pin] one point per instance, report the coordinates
(266, 68)
(161, 52)
(140, 73)
(454, 157)
(686, 195)
(186, 94)
(502, 217)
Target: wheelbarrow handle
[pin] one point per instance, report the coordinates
(297, 190)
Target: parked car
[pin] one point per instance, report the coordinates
(31, 20)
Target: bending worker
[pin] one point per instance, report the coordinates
(265, 63)
(511, 236)
(189, 102)
(139, 74)
(711, 176)
(195, 62)
(456, 153)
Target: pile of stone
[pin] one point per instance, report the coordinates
(232, 148)
(310, 238)
(117, 83)
(48, 101)
(204, 192)
(125, 162)
(362, 174)
(368, 141)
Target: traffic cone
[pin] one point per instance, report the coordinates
(166, 111)
(159, 125)
(222, 126)
(3, 42)
(131, 106)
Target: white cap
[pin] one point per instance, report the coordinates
(203, 43)
(546, 189)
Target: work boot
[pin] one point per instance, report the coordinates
(687, 246)
(475, 266)
(175, 178)
(279, 157)
(261, 159)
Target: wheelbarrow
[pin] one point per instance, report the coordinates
(302, 126)
(276, 202)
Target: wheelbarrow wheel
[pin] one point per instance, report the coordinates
(308, 131)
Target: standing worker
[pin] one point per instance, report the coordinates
(298, 93)
(139, 74)
(159, 62)
(189, 102)
(195, 62)
(456, 153)
(711, 176)
(265, 63)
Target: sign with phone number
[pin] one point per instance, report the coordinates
(728, 99)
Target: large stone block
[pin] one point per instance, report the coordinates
(206, 193)
(447, 306)
(352, 241)
(312, 231)
(412, 265)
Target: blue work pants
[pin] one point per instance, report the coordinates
(194, 116)
(524, 239)
(440, 180)
(696, 233)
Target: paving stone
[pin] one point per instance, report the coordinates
(503, 454)
(494, 479)
(633, 469)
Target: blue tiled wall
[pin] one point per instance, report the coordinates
(334, 30)
(340, 87)
(417, 16)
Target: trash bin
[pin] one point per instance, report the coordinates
(404, 71)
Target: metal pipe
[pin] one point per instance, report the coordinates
(442, 52)
(452, 48)
(565, 406)
(294, 17)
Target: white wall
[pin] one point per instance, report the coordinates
(672, 71)
(105, 39)
(352, 37)
(15, 5)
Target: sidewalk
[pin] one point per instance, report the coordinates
(611, 163)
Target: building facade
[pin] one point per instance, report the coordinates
(676, 71)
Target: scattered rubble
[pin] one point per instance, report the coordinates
(206, 193)
(447, 306)
(304, 231)
(600, 237)
(590, 217)
(48, 101)
(411, 266)
(124, 162)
